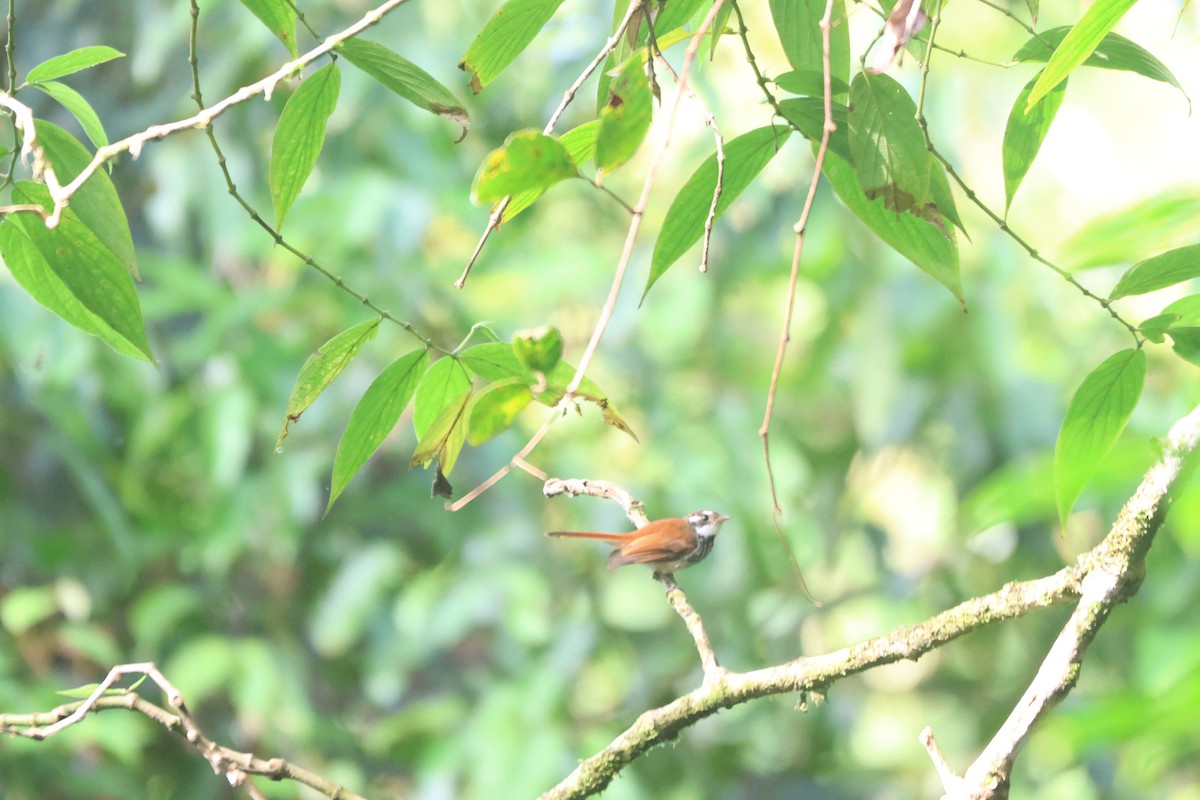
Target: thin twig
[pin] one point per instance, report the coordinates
(61, 195)
(276, 235)
(497, 215)
(764, 430)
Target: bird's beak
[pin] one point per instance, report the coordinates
(722, 517)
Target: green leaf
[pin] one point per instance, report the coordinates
(1164, 269)
(810, 83)
(625, 118)
(33, 274)
(1095, 418)
(745, 157)
(719, 24)
(1113, 52)
(444, 381)
(299, 137)
(807, 114)
(72, 62)
(89, 270)
(1121, 236)
(1155, 327)
(1184, 330)
(888, 148)
(1078, 44)
(74, 102)
(445, 436)
(539, 349)
(1027, 127)
(925, 244)
(494, 408)
(1032, 5)
(674, 14)
(374, 418)
(528, 161)
(580, 144)
(96, 202)
(798, 25)
(323, 366)
(280, 18)
(506, 34)
(399, 75)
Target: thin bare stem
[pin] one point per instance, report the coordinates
(785, 335)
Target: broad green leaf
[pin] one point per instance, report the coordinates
(580, 144)
(810, 83)
(494, 408)
(719, 26)
(1164, 269)
(91, 272)
(299, 137)
(445, 436)
(280, 18)
(798, 25)
(96, 202)
(72, 62)
(506, 34)
(1168, 219)
(33, 274)
(1027, 127)
(625, 118)
(1184, 330)
(445, 380)
(807, 114)
(745, 157)
(539, 349)
(1095, 418)
(374, 418)
(1155, 327)
(496, 361)
(406, 79)
(323, 366)
(1078, 44)
(528, 161)
(925, 244)
(674, 14)
(888, 148)
(1113, 52)
(74, 102)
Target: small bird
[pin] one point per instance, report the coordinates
(665, 545)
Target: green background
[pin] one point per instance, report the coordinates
(408, 652)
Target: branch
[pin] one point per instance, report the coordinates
(61, 195)
(1108, 573)
(1112, 573)
(235, 765)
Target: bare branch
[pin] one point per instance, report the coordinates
(235, 765)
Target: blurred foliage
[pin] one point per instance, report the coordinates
(408, 652)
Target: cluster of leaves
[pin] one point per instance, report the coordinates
(880, 162)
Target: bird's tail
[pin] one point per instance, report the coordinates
(604, 537)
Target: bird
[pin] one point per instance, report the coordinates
(665, 545)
